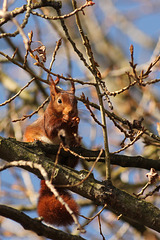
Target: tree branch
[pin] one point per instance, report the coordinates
(40, 148)
(22, 9)
(100, 193)
(35, 225)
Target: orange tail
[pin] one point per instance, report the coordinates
(52, 210)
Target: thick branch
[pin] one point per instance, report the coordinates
(100, 193)
(116, 159)
(35, 225)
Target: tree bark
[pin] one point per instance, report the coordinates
(100, 193)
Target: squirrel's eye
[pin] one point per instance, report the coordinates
(59, 100)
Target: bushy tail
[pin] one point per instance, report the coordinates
(52, 210)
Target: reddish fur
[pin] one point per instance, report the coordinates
(56, 117)
(52, 210)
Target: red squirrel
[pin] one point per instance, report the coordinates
(59, 123)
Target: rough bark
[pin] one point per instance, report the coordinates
(100, 193)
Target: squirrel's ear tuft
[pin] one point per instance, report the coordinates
(53, 84)
(72, 87)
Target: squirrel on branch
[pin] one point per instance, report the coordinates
(58, 124)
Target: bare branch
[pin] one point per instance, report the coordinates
(20, 27)
(87, 4)
(86, 103)
(89, 173)
(17, 94)
(35, 225)
(42, 171)
(101, 193)
(39, 4)
(139, 134)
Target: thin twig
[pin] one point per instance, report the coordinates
(133, 65)
(92, 218)
(17, 94)
(30, 115)
(142, 190)
(58, 44)
(89, 173)
(131, 84)
(4, 5)
(86, 103)
(105, 134)
(22, 9)
(151, 82)
(156, 189)
(94, 70)
(25, 21)
(87, 4)
(56, 161)
(47, 182)
(131, 143)
(20, 30)
(30, 35)
(100, 227)
(151, 65)
(47, 70)
(77, 155)
(72, 42)
(23, 67)
(83, 36)
(153, 177)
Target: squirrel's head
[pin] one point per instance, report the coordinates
(64, 103)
